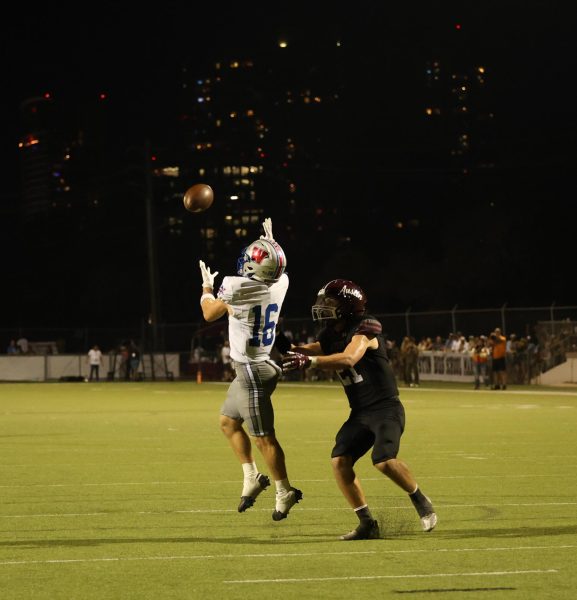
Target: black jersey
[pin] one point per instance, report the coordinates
(371, 382)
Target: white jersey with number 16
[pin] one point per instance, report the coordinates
(256, 309)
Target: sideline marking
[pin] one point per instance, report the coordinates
(402, 390)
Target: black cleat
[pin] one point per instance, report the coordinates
(260, 484)
(368, 530)
(285, 503)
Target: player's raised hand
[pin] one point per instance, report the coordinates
(295, 360)
(267, 226)
(207, 276)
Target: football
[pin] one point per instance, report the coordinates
(198, 197)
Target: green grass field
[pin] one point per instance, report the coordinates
(129, 491)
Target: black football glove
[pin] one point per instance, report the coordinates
(295, 360)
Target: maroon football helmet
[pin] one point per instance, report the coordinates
(339, 299)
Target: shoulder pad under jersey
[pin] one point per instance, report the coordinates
(369, 327)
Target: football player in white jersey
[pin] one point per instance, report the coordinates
(252, 300)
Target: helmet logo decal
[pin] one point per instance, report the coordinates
(352, 291)
(258, 254)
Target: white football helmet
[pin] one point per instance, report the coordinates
(263, 260)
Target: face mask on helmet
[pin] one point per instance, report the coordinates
(339, 299)
(263, 260)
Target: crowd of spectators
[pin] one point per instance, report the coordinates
(525, 356)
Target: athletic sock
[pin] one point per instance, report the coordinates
(282, 486)
(364, 514)
(418, 496)
(250, 472)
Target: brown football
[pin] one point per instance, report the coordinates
(198, 197)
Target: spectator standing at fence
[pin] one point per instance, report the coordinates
(480, 357)
(133, 361)
(498, 345)
(226, 361)
(94, 360)
(12, 348)
(410, 358)
(23, 345)
(438, 345)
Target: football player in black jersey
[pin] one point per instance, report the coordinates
(352, 345)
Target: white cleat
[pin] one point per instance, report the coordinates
(429, 521)
(425, 509)
(260, 483)
(285, 502)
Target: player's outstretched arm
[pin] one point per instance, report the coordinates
(212, 308)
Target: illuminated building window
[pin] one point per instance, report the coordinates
(208, 234)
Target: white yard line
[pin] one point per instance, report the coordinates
(197, 483)
(279, 555)
(413, 576)
(301, 509)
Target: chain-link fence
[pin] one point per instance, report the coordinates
(539, 322)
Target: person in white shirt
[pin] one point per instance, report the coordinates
(226, 361)
(95, 360)
(252, 300)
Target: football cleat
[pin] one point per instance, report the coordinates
(285, 502)
(426, 512)
(368, 530)
(261, 482)
(429, 521)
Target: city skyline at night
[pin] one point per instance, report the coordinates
(425, 155)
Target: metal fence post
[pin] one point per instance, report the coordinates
(407, 322)
(453, 318)
(503, 322)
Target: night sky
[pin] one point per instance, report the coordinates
(519, 251)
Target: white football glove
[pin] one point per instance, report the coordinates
(207, 276)
(267, 226)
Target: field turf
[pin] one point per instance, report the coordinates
(129, 491)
